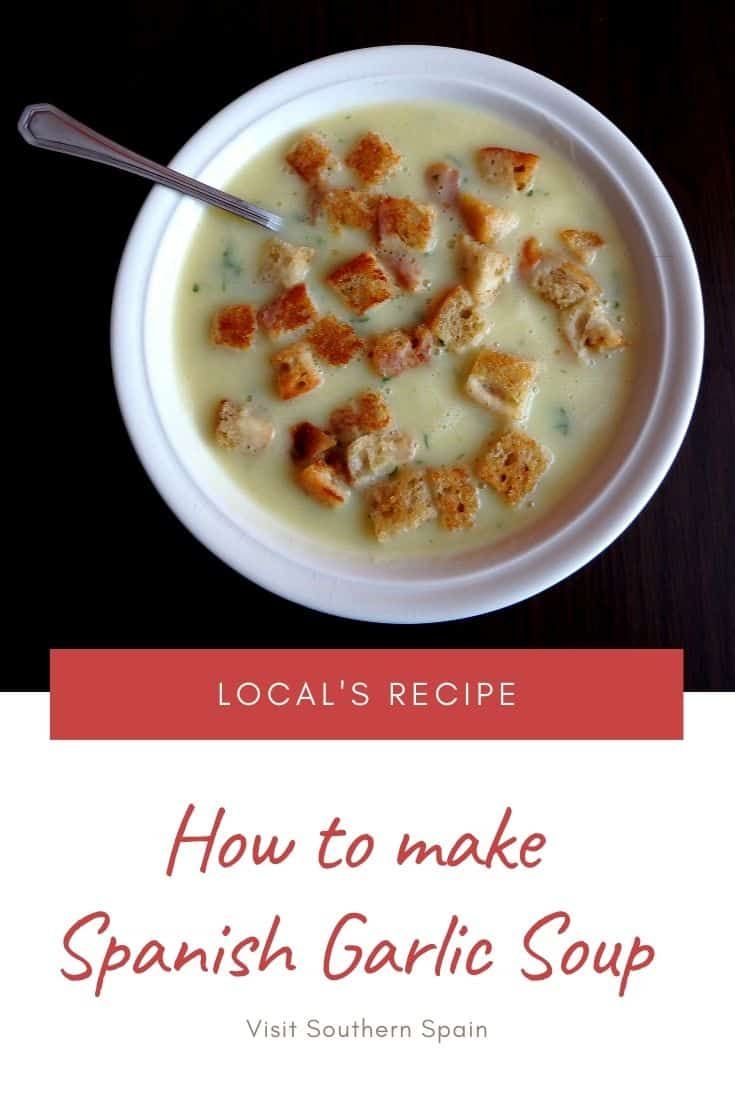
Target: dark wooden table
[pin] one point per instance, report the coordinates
(94, 557)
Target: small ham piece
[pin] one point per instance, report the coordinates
(443, 181)
(405, 269)
(397, 351)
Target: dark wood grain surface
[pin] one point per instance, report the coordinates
(94, 557)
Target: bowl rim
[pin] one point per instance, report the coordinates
(463, 595)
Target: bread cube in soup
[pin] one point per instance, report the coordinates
(400, 503)
(361, 283)
(502, 382)
(482, 270)
(455, 320)
(365, 413)
(311, 158)
(309, 442)
(322, 482)
(583, 243)
(508, 168)
(350, 208)
(296, 371)
(587, 328)
(406, 221)
(240, 427)
(285, 264)
(334, 341)
(373, 158)
(455, 496)
(234, 326)
(292, 310)
(486, 222)
(377, 454)
(512, 465)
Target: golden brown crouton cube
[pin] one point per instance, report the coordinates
(311, 158)
(373, 159)
(361, 283)
(290, 311)
(400, 503)
(561, 282)
(587, 328)
(367, 412)
(240, 427)
(583, 243)
(481, 269)
(309, 442)
(455, 496)
(334, 341)
(234, 326)
(397, 351)
(284, 263)
(375, 454)
(443, 181)
(322, 482)
(485, 222)
(501, 382)
(455, 320)
(411, 223)
(296, 371)
(509, 168)
(512, 465)
(346, 206)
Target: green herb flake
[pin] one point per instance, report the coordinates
(427, 445)
(195, 287)
(562, 423)
(231, 266)
(616, 305)
(529, 193)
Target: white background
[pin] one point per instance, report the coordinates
(640, 839)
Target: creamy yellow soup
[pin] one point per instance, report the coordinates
(577, 407)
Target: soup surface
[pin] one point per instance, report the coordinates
(576, 403)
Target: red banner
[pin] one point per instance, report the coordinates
(366, 694)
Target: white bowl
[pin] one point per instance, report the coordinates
(255, 543)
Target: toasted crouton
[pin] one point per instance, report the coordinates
(481, 269)
(455, 320)
(561, 282)
(296, 371)
(322, 482)
(583, 243)
(455, 496)
(239, 427)
(443, 181)
(373, 159)
(349, 207)
(512, 465)
(375, 454)
(234, 326)
(284, 263)
(400, 503)
(586, 328)
(311, 158)
(397, 351)
(334, 341)
(509, 168)
(366, 413)
(361, 282)
(405, 220)
(501, 382)
(485, 222)
(309, 442)
(290, 311)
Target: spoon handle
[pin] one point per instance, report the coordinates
(43, 125)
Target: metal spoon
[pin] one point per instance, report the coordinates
(45, 126)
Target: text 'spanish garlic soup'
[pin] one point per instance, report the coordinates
(571, 403)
